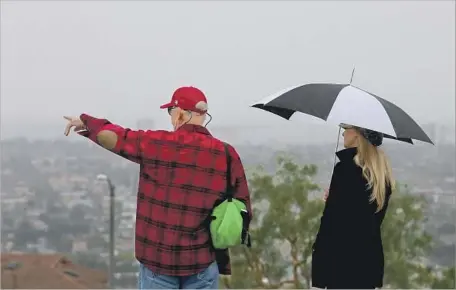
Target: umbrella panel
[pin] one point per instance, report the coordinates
(287, 113)
(293, 99)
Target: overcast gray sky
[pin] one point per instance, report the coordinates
(123, 59)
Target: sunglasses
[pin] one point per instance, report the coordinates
(170, 109)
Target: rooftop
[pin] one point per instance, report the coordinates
(54, 271)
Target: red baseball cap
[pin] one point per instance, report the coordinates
(188, 98)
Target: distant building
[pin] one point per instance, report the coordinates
(79, 246)
(38, 271)
(445, 135)
(440, 134)
(145, 124)
(431, 129)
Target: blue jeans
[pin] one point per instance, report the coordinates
(206, 279)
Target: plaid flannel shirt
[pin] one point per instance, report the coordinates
(182, 174)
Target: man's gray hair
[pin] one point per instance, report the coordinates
(202, 106)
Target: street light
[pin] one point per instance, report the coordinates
(105, 178)
(13, 266)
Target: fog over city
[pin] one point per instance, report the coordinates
(121, 60)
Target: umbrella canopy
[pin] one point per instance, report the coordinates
(345, 104)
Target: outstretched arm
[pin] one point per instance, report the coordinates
(124, 142)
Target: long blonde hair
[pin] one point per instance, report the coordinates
(376, 170)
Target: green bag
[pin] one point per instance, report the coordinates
(230, 220)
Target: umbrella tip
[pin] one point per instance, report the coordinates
(353, 73)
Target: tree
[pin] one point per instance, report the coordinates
(444, 281)
(77, 214)
(283, 229)
(287, 217)
(405, 241)
(25, 234)
(407, 245)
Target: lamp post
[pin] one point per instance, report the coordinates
(103, 177)
(13, 266)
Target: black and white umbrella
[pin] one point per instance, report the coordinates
(345, 104)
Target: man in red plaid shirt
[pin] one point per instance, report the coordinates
(182, 174)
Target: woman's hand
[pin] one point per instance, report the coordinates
(325, 195)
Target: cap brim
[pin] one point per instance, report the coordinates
(166, 106)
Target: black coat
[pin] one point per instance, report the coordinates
(348, 250)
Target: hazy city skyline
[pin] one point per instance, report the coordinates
(122, 60)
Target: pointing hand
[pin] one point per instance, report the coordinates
(73, 122)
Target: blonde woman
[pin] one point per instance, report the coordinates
(348, 252)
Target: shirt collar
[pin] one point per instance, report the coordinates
(191, 128)
(347, 154)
